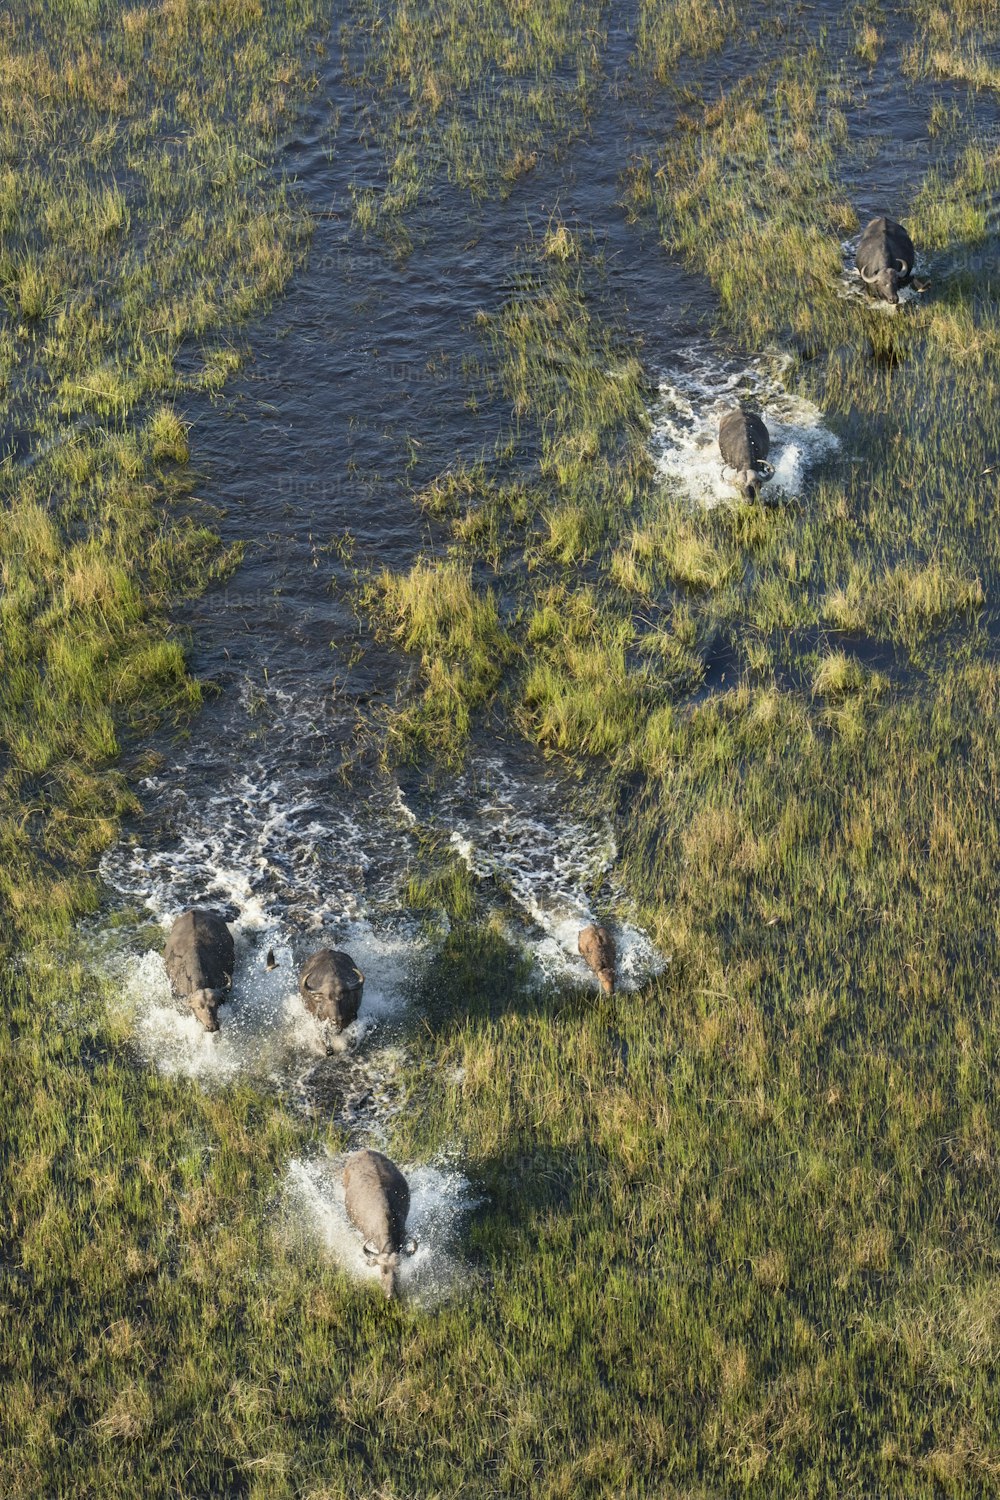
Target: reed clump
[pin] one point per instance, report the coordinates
(668, 31)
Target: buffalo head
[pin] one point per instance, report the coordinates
(388, 1264)
(886, 283)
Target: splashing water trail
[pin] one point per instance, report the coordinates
(694, 397)
(440, 1198)
(264, 1028)
(516, 834)
(291, 870)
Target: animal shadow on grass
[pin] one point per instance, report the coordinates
(528, 1194)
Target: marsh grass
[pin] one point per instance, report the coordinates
(794, 1120)
(956, 42)
(904, 602)
(748, 193)
(667, 31)
(477, 102)
(737, 1236)
(139, 227)
(434, 610)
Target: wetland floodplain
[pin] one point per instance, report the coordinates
(367, 573)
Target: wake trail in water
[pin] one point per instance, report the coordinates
(697, 393)
(293, 865)
(294, 868)
(517, 836)
(440, 1200)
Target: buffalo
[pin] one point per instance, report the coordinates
(744, 442)
(597, 946)
(199, 958)
(885, 258)
(377, 1199)
(331, 984)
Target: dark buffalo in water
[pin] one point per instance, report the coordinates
(598, 948)
(744, 443)
(885, 258)
(331, 984)
(377, 1199)
(199, 958)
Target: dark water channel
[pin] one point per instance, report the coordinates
(359, 391)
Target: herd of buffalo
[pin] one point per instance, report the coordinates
(884, 260)
(200, 953)
(200, 956)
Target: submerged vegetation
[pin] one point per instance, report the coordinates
(140, 227)
(739, 1230)
(474, 95)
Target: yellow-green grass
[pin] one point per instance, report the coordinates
(956, 42)
(140, 227)
(748, 193)
(434, 610)
(671, 29)
(738, 1233)
(771, 1194)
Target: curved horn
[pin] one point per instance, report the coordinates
(369, 1252)
(869, 279)
(904, 268)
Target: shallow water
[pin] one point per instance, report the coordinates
(545, 860)
(358, 392)
(440, 1199)
(265, 1031)
(696, 394)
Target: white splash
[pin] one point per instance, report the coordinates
(388, 960)
(694, 397)
(256, 845)
(261, 1026)
(516, 834)
(440, 1197)
(264, 1028)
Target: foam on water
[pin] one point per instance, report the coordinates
(697, 394)
(440, 1197)
(264, 1029)
(264, 825)
(362, 1092)
(387, 959)
(294, 864)
(260, 1027)
(255, 845)
(555, 866)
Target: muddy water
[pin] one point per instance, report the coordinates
(359, 390)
